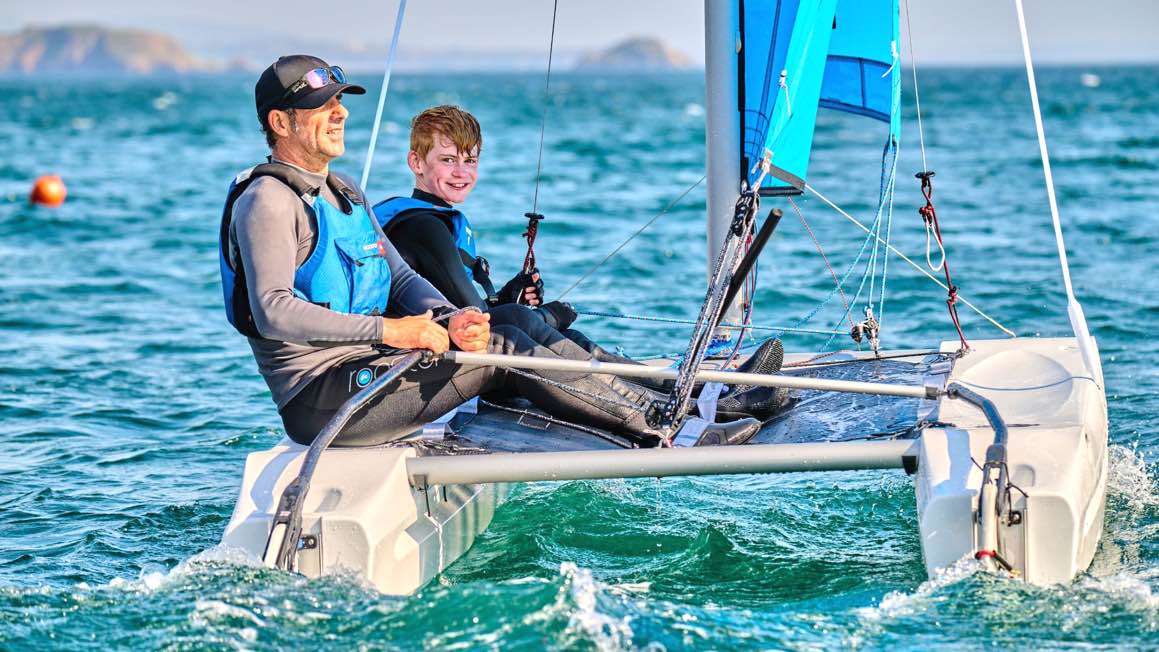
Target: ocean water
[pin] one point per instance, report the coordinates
(127, 405)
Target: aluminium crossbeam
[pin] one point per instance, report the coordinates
(662, 462)
(707, 375)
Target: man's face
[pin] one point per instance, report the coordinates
(317, 135)
(445, 172)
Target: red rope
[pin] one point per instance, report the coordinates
(930, 215)
(532, 230)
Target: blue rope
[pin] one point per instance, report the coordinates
(690, 322)
(889, 225)
(874, 234)
(884, 194)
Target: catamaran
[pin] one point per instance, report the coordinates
(1007, 448)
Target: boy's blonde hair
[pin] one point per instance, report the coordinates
(451, 121)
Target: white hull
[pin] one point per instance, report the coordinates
(363, 514)
(1057, 454)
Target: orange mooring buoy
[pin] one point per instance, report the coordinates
(48, 190)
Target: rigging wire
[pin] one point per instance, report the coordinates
(824, 257)
(829, 297)
(840, 283)
(874, 235)
(640, 230)
(546, 98)
(382, 94)
(917, 96)
(910, 261)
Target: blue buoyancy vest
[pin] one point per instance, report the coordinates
(347, 270)
(387, 210)
(475, 265)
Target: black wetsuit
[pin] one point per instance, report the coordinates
(425, 240)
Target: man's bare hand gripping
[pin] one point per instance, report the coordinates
(470, 330)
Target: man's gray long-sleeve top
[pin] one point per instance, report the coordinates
(271, 234)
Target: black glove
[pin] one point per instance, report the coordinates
(557, 314)
(513, 291)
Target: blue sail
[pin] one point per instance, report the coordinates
(800, 55)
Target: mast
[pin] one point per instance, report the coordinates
(722, 130)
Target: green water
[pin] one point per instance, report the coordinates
(127, 405)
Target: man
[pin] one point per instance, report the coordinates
(437, 241)
(327, 302)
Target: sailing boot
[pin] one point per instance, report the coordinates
(767, 359)
(714, 434)
(763, 403)
(730, 433)
(618, 406)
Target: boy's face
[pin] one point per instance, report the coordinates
(445, 171)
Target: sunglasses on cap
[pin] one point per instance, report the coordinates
(315, 79)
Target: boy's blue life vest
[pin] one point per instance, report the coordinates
(474, 265)
(346, 272)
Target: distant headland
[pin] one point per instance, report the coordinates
(636, 53)
(92, 49)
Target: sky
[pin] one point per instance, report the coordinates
(944, 31)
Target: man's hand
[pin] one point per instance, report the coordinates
(523, 288)
(470, 330)
(415, 332)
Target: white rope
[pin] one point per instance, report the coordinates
(382, 94)
(917, 96)
(1078, 321)
(908, 260)
(941, 249)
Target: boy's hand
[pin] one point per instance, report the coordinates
(523, 288)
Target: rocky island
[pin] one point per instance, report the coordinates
(91, 49)
(639, 53)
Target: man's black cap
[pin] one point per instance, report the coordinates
(270, 91)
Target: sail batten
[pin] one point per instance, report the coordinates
(798, 56)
